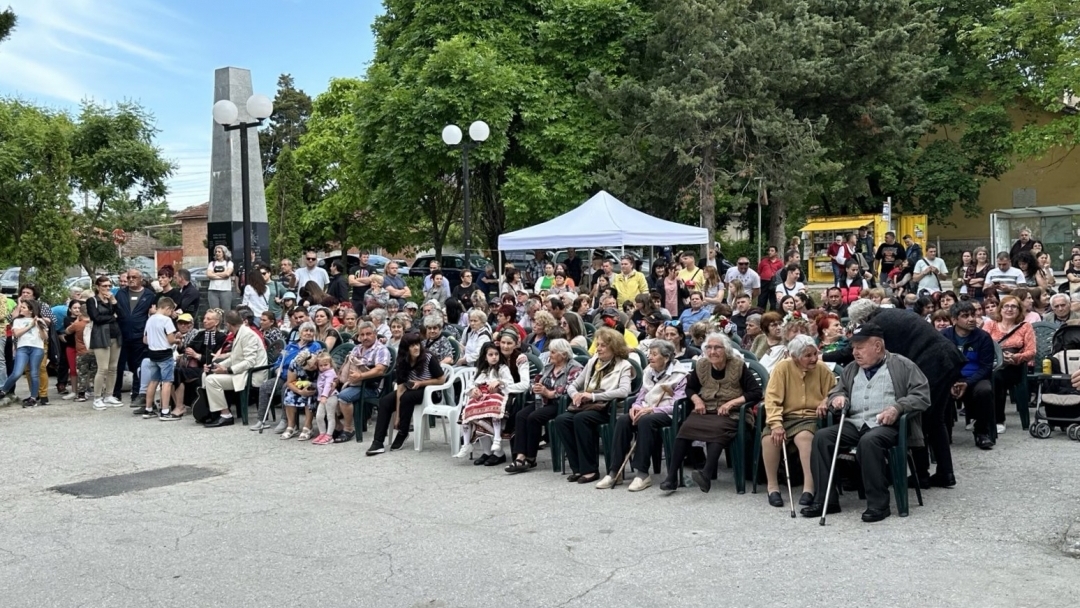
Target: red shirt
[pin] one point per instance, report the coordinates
(767, 268)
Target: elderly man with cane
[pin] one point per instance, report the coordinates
(873, 394)
(942, 364)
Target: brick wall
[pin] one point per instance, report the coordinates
(194, 233)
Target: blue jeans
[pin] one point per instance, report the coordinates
(26, 356)
(353, 394)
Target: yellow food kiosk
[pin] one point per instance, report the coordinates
(819, 233)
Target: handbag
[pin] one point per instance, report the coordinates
(1011, 350)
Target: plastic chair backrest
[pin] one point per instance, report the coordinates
(747, 355)
(582, 359)
(636, 356)
(637, 379)
(533, 350)
(999, 357)
(578, 351)
(273, 350)
(1044, 340)
(760, 373)
(692, 351)
(345, 336)
(535, 365)
(340, 352)
(590, 331)
(457, 348)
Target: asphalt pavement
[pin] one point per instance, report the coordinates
(264, 522)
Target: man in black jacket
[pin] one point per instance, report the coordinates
(941, 362)
(973, 388)
(188, 299)
(133, 304)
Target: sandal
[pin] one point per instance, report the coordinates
(305, 434)
(345, 437)
(289, 433)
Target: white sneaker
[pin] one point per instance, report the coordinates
(640, 483)
(99, 404)
(113, 401)
(606, 483)
(464, 451)
(969, 426)
(68, 396)
(1000, 429)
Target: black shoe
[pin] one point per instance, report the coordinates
(153, 414)
(136, 403)
(482, 460)
(942, 481)
(43, 401)
(29, 402)
(983, 442)
(221, 421)
(520, 466)
(169, 417)
(668, 487)
(806, 499)
(874, 515)
(495, 461)
(376, 448)
(815, 510)
(399, 440)
(142, 411)
(573, 477)
(775, 499)
(702, 482)
(924, 483)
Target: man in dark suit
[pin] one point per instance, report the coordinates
(134, 304)
(188, 301)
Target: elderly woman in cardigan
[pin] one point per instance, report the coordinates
(663, 385)
(797, 387)
(606, 378)
(718, 386)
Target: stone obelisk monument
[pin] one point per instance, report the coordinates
(225, 222)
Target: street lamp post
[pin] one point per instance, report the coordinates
(451, 136)
(226, 114)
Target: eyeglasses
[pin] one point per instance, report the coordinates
(744, 263)
(310, 259)
(1010, 307)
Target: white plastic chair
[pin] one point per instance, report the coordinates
(448, 410)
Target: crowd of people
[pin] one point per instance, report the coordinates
(586, 345)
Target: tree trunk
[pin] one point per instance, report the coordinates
(707, 198)
(777, 219)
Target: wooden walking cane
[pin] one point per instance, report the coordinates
(629, 455)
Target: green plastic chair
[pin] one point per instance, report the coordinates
(590, 331)
(361, 413)
(245, 395)
(341, 352)
(579, 351)
(899, 459)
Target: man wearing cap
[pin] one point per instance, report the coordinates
(610, 317)
(880, 388)
(749, 277)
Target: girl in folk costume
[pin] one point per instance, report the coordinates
(484, 411)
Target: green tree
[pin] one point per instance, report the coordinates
(117, 171)
(285, 202)
(803, 95)
(292, 109)
(36, 229)
(7, 23)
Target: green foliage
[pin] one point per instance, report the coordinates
(285, 203)
(120, 174)
(36, 220)
(292, 109)
(7, 23)
(416, 288)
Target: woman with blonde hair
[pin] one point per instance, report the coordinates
(606, 378)
(713, 289)
(1017, 341)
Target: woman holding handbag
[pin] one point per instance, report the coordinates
(1017, 341)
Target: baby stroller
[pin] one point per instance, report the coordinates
(1058, 402)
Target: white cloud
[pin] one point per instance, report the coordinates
(71, 49)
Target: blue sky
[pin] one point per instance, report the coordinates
(163, 54)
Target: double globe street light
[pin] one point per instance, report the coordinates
(452, 136)
(226, 114)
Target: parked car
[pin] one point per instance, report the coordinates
(86, 282)
(451, 266)
(11, 279)
(586, 255)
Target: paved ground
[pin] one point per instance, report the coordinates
(291, 524)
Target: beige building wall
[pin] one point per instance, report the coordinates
(1052, 180)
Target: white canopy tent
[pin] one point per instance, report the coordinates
(603, 221)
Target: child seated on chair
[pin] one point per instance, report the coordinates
(486, 406)
(326, 414)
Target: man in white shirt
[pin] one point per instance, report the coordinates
(1004, 278)
(750, 279)
(311, 272)
(929, 270)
